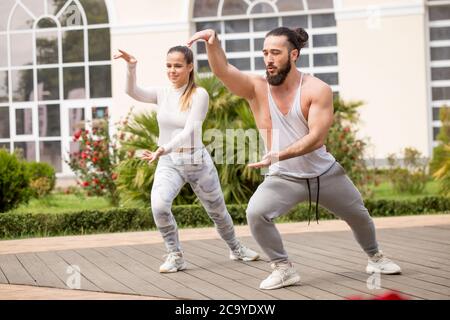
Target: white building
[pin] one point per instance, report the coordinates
(56, 68)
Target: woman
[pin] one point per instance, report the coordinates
(181, 110)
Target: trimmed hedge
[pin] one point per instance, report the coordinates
(16, 225)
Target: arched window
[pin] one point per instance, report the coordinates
(243, 24)
(439, 42)
(55, 74)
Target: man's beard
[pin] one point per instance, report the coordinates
(278, 79)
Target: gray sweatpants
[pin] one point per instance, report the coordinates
(278, 194)
(172, 173)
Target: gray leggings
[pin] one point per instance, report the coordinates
(278, 194)
(172, 173)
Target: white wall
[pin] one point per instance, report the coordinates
(382, 61)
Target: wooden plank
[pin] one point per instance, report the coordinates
(389, 248)
(60, 268)
(241, 291)
(427, 247)
(428, 274)
(97, 276)
(313, 278)
(351, 261)
(397, 252)
(399, 280)
(326, 264)
(122, 275)
(175, 286)
(149, 275)
(43, 276)
(3, 277)
(203, 287)
(14, 271)
(385, 283)
(428, 234)
(227, 278)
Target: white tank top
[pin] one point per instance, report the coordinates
(288, 129)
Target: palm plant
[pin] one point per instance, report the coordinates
(226, 111)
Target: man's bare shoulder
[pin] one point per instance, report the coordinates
(314, 87)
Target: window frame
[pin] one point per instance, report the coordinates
(251, 35)
(64, 104)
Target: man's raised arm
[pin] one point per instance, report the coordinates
(235, 80)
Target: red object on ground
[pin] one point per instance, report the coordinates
(390, 295)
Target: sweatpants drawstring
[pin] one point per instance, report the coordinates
(317, 200)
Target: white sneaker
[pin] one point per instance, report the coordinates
(283, 275)
(378, 263)
(174, 262)
(244, 254)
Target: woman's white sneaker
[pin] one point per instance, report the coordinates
(378, 263)
(245, 254)
(174, 262)
(283, 275)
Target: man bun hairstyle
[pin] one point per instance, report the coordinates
(298, 38)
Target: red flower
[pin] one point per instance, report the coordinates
(77, 135)
(95, 181)
(84, 155)
(346, 129)
(94, 159)
(85, 184)
(114, 176)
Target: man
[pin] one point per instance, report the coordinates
(299, 109)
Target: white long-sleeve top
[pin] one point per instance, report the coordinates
(177, 129)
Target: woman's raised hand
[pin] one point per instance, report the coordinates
(125, 56)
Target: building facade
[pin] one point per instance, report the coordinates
(56, 70)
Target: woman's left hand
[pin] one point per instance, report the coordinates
(152, 156)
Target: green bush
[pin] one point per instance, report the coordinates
(442, 174)
(411, 177)
(14, 181)
(13, 225)
(440, 164)
(343, 144)
(42, 178)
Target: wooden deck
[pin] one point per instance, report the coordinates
(330, 263)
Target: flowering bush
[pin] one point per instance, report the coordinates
(96, 160)
(343, 144)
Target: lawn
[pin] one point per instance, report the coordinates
(384, 191)
(58, 203)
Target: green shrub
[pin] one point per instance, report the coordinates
(440, 164)
(14, 181)
(13, 225)
(343, 144)
(42, 178)
(411, 177)
(442, 174)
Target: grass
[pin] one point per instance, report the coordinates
(385, 191)
(60, 203)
